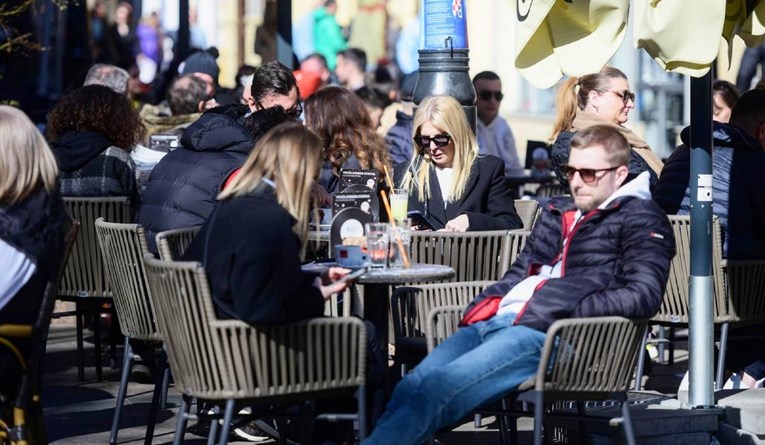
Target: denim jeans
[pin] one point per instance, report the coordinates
(476, 365)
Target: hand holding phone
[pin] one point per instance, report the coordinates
(353, 275)
(419, 220)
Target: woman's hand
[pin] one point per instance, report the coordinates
(333, 274)
(333, 287)
(320, 195)
(458, 224)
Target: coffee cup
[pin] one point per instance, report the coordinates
(350, 256)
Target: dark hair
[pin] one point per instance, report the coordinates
(340, 119)
(97, 109)
(319, 57)
(749, 111)
(485, 75)
(244, 70)
(185, 93)
(373, 97)
(611, 139)
(356, 56)
(727, 90)
(272, 78)
(263, 120)
(329, 3)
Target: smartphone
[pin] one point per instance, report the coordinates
(353, 275)
(418, 219)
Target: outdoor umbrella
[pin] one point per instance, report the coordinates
(575, 37)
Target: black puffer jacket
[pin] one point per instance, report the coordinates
(738, 170)
(183, 188)
(559, 155)
(616, 263)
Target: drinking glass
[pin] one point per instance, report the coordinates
(402, 231)
(377, 244)
(399, 200)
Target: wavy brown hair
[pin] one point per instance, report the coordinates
(97, 109)
(342, 122)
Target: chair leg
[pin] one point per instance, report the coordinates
(213, 434)
(503, 423)
(162, 362)
(721, 356)
(362, 412)
(165, 384)
(183, 417)
(80, 348)
(539, 413)
(581, 410)
(641, 362)
(127, 364)
(97, 344)
(228, 417)
(629, 432)
(662, 346)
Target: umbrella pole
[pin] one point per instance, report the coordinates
(701, 327)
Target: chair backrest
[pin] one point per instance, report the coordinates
(528, 210)
(84, 274)
(474, 256)
(552, 189)
(173, 243)
(411, 304)
(516, 243)
(123, 247)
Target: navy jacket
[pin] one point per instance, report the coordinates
(183, 188)
(252, 259)
(616, 263)
(399, 139)
(738, 189)
(487, 201)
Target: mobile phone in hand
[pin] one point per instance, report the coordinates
(418, 219)
(353, 275)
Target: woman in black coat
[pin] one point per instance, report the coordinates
(447, 181)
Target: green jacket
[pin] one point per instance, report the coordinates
(327, 36)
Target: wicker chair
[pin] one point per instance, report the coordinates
(528, 210)
(125, 246)
(84, 279)
(474, 256)
(738, 289)
(27, 426)
(225, 361)
(550, 190)
(173, 243)
(583, 359)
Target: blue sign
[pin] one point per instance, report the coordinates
(443, 19)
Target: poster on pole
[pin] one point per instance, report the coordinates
(442, 19)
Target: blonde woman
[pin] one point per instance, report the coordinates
(251, 245)
(598, 98)
(31, 217)
(453, 187)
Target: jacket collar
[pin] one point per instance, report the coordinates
(436, 201)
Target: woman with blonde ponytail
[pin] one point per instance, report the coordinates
(599, 98)
(251, 245)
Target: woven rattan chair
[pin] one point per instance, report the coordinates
(225, 361)
(173, 243)
(583, 359)
(27, 426)
(550, 190)
(84, 278)
(124, 246)
(528, 210)
(474, 256)
(738, 286)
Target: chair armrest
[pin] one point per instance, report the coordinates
(442, 322)
(16, 330)
(746, 289)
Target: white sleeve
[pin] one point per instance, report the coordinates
(17, 270)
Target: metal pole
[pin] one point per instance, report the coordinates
(183, 43)
(701, 330)
(284, 33)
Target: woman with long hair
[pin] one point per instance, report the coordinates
(342, 122)
(31, 218)
(92, 132)
(454, 187)
(598, 98)
(251, 246)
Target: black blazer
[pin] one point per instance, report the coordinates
(487, 201)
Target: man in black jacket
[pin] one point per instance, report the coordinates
(606, 252)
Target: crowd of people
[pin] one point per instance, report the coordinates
(249, 171)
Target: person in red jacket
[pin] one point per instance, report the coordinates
(604, 251)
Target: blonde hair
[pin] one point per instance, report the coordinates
(574, 94)
(446, 114)
(290, 156)
(26, 162)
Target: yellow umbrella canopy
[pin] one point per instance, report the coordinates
(575, 37)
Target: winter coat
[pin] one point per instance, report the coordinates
(399, 139)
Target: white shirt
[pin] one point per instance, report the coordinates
(444, 176)
(497, 139)
(17, 270)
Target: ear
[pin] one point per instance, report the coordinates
(761, 134)
(621, 174)
(201, 106)
(593, 98)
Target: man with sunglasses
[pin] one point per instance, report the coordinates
(493, 132)
(605, 251)
(274, 84)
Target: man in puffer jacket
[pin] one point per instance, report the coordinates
(605, 253)
(738, 170)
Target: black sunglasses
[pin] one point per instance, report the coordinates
(295, 111)
(441, 140)
(625, 95)
(488, 94)
(588, 175)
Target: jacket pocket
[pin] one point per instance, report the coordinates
(482, 311)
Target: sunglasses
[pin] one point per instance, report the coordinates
(488, 94)
(588, 175)
(441, 140)
(625, 95)
(294, 111)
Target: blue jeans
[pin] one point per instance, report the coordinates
(478, 364)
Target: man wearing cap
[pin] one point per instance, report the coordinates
(202, 65)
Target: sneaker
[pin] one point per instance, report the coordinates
(252, 432)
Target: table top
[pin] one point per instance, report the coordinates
(417, 273)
